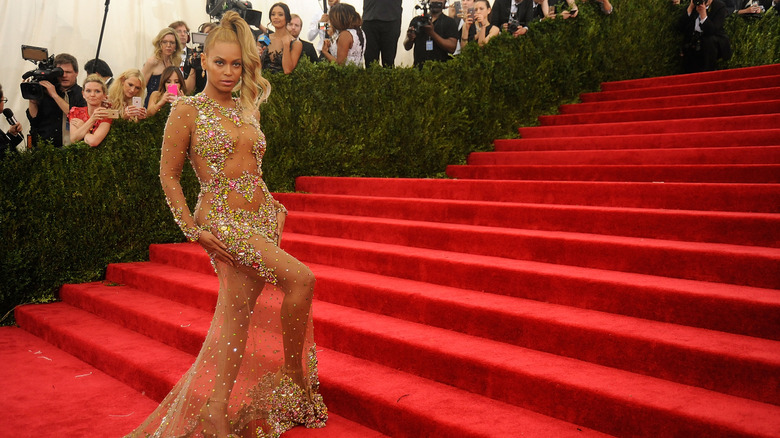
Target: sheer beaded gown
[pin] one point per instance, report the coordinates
(256, 374)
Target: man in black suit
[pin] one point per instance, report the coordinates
(521, 10)
(294, 27)
(705, 38)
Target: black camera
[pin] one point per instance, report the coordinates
(199, 39)
(513, 24)
(698, 2)
(217, 8)
(421, 20)
(46, 71)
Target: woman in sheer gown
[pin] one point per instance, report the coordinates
(256, 374)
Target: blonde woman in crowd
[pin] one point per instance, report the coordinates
(128, 85)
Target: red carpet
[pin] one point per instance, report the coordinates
(614, 272)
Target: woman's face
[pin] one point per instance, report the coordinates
(278, 20)
(93, 93)
(168, 45)
(482, 11)
(172, 79)
(223, 65)
(131, 87)
(332, 2)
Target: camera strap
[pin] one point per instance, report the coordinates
(65, 124)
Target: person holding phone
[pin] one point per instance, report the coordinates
(319, 26)
(91, 123)
(126, 94)
(171, 88)
(256, 373)
(349, 40)
(168, 51)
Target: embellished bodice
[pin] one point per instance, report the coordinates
(214, 143)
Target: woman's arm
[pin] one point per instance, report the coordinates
(79, 129)
(148, 66)
(291, 55)
(175, 147)
(95, 138)
(344, 44)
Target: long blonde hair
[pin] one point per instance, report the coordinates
(157, 43)
(254, 88)
(116, 92)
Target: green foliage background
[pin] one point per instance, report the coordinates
(65, 214)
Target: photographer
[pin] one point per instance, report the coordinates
(9, 140)
(433, 36)
(705, 38)
(48, 116)
(319, 26)
(513, 16)
(192, 66)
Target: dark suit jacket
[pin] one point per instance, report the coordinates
(711, 28)
(502, 8)
(309, 51)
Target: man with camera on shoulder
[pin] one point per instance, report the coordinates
(48, 116)
(705, 38)
(433, 35)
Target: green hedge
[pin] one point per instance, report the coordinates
(66, 213)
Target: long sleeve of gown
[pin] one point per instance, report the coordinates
(176, 144)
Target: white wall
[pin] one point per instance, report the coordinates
(73, 26)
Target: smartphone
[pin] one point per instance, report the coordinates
(471, 12)
(113, 114)
(173, 89)
(138, 102)
(458, 7)
(552, 9)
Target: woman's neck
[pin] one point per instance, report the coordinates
(222, 98)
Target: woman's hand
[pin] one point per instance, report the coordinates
(326, 46)
(98, 114)
(216, 248)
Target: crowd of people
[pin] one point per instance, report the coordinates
(338, 34)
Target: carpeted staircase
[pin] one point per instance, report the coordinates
(616, 271)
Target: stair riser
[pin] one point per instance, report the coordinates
(748, 198)
(699, 88)
(768, 137)
(199, 294)
(719, 75)
(715, 264)
(735, 155)
(746, 174)
(627, 115)
(738, 123)
(738, 229)
(649, 300)
(672, 102)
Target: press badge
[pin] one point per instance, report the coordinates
(429, 45)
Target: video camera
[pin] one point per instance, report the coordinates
(217, 8)
(46, 71)
(421, 20)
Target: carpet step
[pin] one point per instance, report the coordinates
(757, 198)
(634, 103)
(712, 139)
(694, 173)
(46, 390)
(742, 265)
(719, 75)
(732, 155)
(703, 124)
(748, 362)
(92, 336)
(652, 348)
(735, 309)
(548, 384)
(725, 310)
(669, 113)
(752, 229)
(714, 86)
